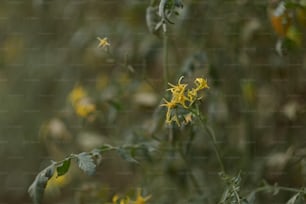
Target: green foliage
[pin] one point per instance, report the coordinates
(292, 5)
(231, 194)
(87, 162)
(63, 168)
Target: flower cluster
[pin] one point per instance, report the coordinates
(184, 98)
(81, 103)
(126, 200)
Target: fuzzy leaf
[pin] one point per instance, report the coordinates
(86, 163)
(63, 169)
(293, 199)
(37, 188)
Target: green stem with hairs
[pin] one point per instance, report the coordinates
(211, 134)
(214, 142)
(277, 188)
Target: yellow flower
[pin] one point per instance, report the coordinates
(170, 105)
(192, 95)
(84, 107)
(121, 200)
(115, 198)
(178, 93)
(77, 94)
(184, 98)
(179, 88)
(201, 83)
(103, 42)
(140, 199)
(171, 115)
(180, 98)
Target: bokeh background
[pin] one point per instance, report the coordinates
(256, 101)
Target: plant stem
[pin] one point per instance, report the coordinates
(165, 61)
(190, 174)
(212, 137)
(189, 143)
(214, 142)
(279, 188)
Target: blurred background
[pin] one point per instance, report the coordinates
(48, 48)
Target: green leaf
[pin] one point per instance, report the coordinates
(37, 188)
(86, 163)
(63, 168)
(126, 155)
(292, 5)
